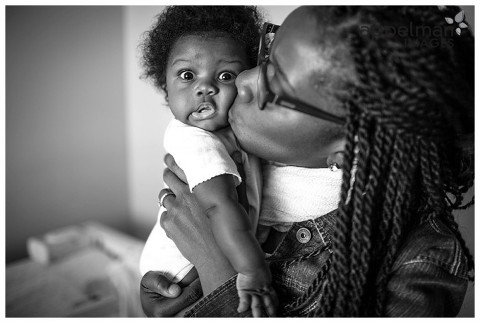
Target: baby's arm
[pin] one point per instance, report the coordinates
(233, 232)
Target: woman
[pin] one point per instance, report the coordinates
(392, 248)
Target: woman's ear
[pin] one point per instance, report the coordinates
(335, 160)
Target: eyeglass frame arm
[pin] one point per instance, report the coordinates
(294, 105)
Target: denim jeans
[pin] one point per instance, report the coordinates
(428, 278)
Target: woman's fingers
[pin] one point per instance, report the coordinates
(177, 306)
(172, 165)
(155, 282)
(173, 182)
(164, 222)
(160, 298)
(166, 198)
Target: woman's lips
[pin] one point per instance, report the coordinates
(230, 118)
(231, 112)
(205, 110)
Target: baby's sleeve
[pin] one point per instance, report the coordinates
(199, 153)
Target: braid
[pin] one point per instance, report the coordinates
(376, 188)
(406, 115)
(408, 163)
(431, 178)
(360, 235)
(339, 261)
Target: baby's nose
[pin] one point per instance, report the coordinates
(206, 88)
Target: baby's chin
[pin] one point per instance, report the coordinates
(210, 124)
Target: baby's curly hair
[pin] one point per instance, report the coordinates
(242, 23)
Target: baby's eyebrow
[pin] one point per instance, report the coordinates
(233, 61)
(178, 60)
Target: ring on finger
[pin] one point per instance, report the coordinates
(168, 192)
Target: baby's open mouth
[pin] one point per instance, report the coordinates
(205, 110)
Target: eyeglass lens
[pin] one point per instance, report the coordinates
(268, 40)
(265, 46)
(261, 89)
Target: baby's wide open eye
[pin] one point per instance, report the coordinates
(186, 75)
(226, 76)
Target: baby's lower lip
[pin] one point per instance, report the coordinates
(204, 111)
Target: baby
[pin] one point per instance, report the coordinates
(195, 54)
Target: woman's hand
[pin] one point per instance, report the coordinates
(161, 298)
(186, 224)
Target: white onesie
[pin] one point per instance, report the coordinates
(202, 155)
(288, 194)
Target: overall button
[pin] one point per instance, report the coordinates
(303, 235)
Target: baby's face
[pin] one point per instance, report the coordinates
(201, 75)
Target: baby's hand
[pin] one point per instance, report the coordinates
(256, 292)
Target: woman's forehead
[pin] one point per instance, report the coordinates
(295, 50)
(299, 23)
(308, 44)
(298, 31)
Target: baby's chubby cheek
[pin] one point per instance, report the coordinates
(213, 124)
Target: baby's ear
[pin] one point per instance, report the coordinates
(165, 92)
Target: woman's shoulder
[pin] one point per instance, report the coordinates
(433, 243)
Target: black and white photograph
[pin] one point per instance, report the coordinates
(332, 174)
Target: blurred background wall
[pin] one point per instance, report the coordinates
(84, 132)
(66, 152)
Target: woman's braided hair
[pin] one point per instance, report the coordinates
(409, 145)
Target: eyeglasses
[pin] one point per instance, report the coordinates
(265, 95)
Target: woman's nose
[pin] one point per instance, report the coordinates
(246, 83)
(206, 88)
